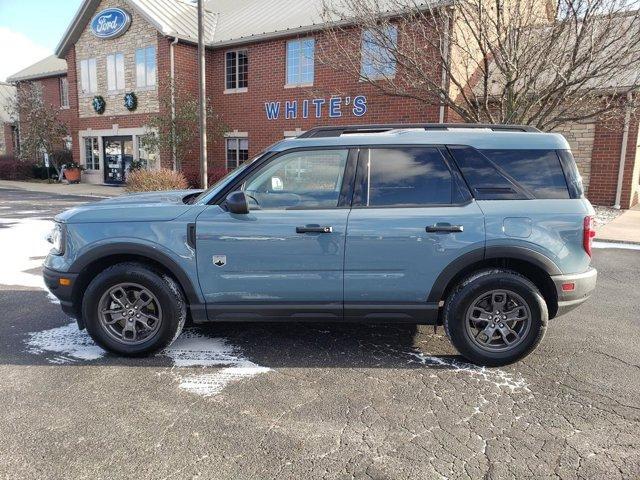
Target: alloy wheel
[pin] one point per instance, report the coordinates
(130, 313)
(498, 320)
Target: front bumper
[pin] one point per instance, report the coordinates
(64, 293)
(584, 285)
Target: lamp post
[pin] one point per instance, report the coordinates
(202, 114)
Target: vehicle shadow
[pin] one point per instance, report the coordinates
(34, 331)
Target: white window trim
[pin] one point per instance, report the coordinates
(237, 89)
(293, 133)
(286, 66)
(93, 89)
(62, 96)
(83, 148)
(238, 136)
(146, 86)
(115, 66)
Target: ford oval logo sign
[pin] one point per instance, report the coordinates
(110, 23)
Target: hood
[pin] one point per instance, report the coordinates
(138, 207)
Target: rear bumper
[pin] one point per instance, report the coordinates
(584, 285)
(62, 292)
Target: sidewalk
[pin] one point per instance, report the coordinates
(624, 229)
(80, 189)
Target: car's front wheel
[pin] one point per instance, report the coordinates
(495, 317)
(131, 310)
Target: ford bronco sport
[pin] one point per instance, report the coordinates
(482, 229)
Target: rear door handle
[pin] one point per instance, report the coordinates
(444, 228)
(314, 229)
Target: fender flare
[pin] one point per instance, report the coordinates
(142, 250)
(489, 253)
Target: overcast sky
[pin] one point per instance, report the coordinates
(30, 31)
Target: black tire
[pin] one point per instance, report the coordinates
(475, 286)
(164, 288)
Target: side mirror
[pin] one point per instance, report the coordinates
(237, 203)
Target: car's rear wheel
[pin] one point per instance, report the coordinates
(495, 317)
(130, 309)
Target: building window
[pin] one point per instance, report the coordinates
(147, 157)
(300, 61)
(378, 46)
(64, 92)
(146, 67)
(236, 70)
(88, 76)
(115, 72)
(91, 153)
(237, 152)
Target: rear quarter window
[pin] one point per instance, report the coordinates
(538, 171)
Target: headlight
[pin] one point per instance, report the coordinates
(56, 238)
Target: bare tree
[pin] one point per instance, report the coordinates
(533, 62)
(40, 128)
(175, 130)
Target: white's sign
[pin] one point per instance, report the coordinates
(333, 107)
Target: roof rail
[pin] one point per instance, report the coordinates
(380, 128)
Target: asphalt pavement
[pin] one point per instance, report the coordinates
(314, 401)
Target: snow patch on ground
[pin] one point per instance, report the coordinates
(192, 349)
(23, 246)
(68, 343)
(220, 363)
(499, 378)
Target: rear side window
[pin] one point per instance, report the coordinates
(538, 171)
(409, 177)
(484, 178)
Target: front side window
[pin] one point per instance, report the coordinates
(237, 64)
(115, 72)
(88, 76)
(64, 92)
(237, 152)
(378, 47)
(91, 153)
(300, 61)
(304, 179)
(408, 177)
(146, 66)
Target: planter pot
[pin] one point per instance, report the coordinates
(72, 175)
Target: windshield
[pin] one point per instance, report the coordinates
(213, 189)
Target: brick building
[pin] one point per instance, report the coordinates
(262, 80)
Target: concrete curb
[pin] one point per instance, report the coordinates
(610, 240)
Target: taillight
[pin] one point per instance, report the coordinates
(587, 234)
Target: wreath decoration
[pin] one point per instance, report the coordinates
(131, 101)
(99, 104)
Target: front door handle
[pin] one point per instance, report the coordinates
(314, 229)
(444, 228)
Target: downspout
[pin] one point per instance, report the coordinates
(447, 58)
(174, 152)
(623, 150)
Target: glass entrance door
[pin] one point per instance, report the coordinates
(118, 155)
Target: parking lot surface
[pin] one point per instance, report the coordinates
(310, 400)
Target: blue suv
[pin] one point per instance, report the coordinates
(482, 229)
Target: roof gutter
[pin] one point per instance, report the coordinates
(623, 150)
